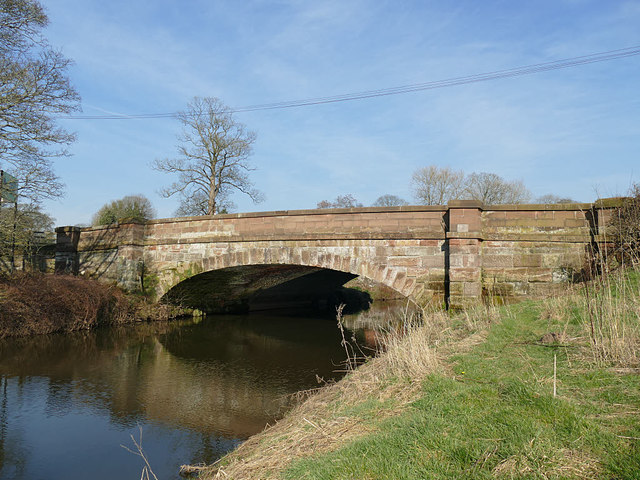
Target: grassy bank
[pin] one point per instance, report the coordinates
(473, 397)
(32, 304)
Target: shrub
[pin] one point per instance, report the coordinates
(132, 208)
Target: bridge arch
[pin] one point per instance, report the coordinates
(240, 272)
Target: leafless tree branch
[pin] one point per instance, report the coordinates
(212, 161)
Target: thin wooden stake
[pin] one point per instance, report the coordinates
(554, 373)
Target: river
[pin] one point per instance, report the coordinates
(188, 391)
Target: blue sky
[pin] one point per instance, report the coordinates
(572, 132)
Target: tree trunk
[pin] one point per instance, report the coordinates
(213, 192)
(13, 237)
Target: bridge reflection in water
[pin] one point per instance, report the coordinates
(196, 389)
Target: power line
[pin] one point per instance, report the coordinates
(450, 82)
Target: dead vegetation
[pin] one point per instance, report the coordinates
(608, 310)
(35, 303)
(567, 464)
(623, 231)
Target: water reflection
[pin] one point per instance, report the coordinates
(67, 402)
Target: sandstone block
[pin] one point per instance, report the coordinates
(493, 261)
(404, 261)
(473, 289)
(464, 274)
(534, 274)
(494, 215)
(527, 260)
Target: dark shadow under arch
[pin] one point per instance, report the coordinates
(267, 286)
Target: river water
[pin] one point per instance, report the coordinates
(189, 391)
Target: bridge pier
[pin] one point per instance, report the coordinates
(463, 224)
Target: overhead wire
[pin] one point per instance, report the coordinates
(450, 82)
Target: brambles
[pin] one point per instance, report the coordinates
(36, 304)
(624, 229)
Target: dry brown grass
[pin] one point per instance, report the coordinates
(330, 418)
(608, 310)
(566, 464)
(612, 311)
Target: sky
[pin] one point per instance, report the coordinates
(572, 132)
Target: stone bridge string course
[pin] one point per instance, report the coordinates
(455, 255)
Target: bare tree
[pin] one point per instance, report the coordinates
(341, 201)
(492, 189)
(21, 227)
(34, 90)
(198, 204)
(389, 201)
(213, 156)
(550, 198)
(436, 186)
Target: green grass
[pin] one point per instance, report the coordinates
(494, 414)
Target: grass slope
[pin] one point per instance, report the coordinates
(482, 406)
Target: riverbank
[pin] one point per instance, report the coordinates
(545, 389)
(35, 303)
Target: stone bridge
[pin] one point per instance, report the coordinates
(454, 255)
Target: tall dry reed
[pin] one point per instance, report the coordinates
(610, 309)
(607, 311)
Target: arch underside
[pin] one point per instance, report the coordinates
(223, 275)
(258, 287)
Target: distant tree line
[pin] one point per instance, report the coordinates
(434, 185)
(341, 201)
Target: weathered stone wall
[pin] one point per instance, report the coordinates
(112, 253)
(455, 254)
(527, 250)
